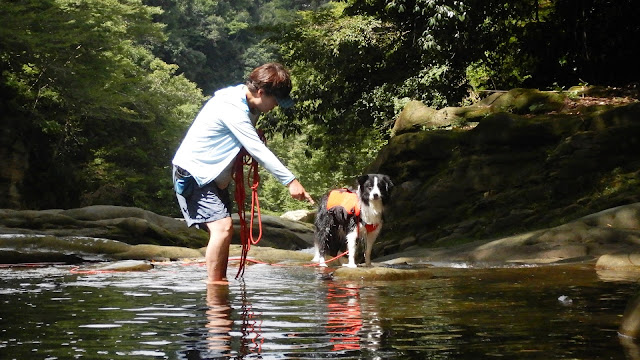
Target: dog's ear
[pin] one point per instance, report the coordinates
(362, 179)
(387, 183)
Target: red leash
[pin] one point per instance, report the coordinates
(253, 180)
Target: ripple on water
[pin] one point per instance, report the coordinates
(100, 326)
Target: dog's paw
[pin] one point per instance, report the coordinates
(350, 265)
(322, 264)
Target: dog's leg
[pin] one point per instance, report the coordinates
(371, 238)
(351, 246)
(319, 258)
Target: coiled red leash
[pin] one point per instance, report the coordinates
(253, 180)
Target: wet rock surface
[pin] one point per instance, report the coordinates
(103, 233)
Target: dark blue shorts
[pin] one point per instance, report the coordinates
(205, 204)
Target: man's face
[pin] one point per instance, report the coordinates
(266, 102)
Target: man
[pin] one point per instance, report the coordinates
(202, 166)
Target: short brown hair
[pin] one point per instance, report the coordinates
(273, 78)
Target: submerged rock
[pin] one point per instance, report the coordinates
(630, 325)
(377, 273)
(124, 265)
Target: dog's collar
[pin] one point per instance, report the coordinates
(371, 227)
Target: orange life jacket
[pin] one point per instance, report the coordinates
(349, 201)
(345, 198)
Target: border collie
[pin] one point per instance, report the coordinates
(344, 216)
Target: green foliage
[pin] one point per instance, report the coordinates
(100, 92)
(100, 112)
(216, 43)
(317, 170)
(339, 64)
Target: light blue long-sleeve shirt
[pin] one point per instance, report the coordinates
(223, 126)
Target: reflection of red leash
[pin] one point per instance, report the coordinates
(345, 317)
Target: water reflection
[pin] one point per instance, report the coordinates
(219, 325)
(353, 321)
(282, 313)
(251, 326)
(218, 319)
(344, 317)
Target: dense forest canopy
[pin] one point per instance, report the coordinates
(95, 95)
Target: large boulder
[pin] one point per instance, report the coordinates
(534, 161)
(416, 116)
(610, 237)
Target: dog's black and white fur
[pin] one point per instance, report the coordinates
(336, 227)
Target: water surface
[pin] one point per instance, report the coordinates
(553, 312)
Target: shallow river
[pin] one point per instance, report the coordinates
(558, 312)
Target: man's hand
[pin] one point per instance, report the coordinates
(298, 192)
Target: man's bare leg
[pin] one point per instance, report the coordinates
(217, 255)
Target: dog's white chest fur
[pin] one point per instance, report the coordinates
(372, 214)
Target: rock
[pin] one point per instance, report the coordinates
(630, 325)
(273, 256)
(306, 216)
(581, 240)
(29, 248)
(125, 265)
(620, 262)
(518, 171)
(126, 224)
(416, 116)
(159, 253)
(113, 233)
(279, 233)
(526, 101)
(376, 273)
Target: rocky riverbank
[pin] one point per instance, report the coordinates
(103, 233)
(609, 239)
(522, 176)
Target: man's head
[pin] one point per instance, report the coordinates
(274, 80)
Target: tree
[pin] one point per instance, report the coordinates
(216, 43)
(98, 112)
(339, 68)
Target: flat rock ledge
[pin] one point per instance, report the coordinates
(610, 239)
(378, 272)
(381, 273)
(624, 262)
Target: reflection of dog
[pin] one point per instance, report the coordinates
(345, 216)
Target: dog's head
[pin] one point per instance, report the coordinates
(374, 187)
